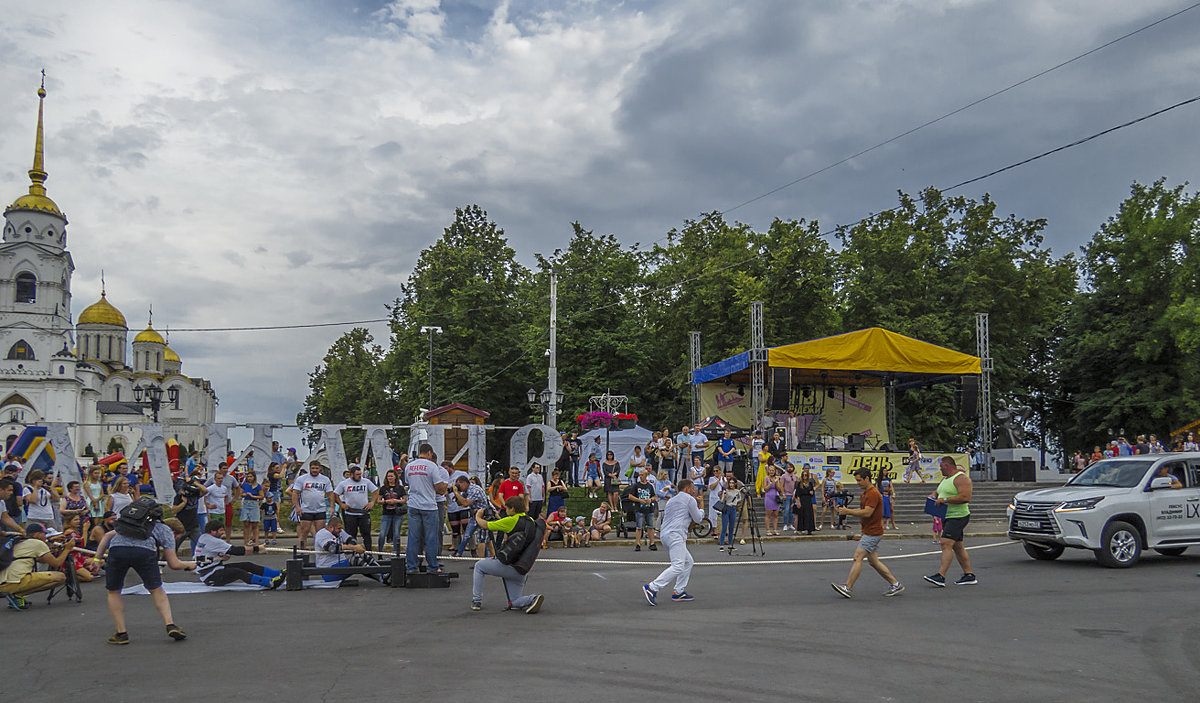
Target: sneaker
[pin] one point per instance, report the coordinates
(894, 590)
(966, 580)
(654, 547)
(937, 580)
(175, 633)
(16, 602)
(637, 547)
(476, 605)
(535, 606)
(119, 638)
(278, 580)
(741, 541)
(681, 595)
(650, 594)
(841, 588)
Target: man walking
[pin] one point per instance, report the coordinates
(870, 511)
(954, 492)
(681, 511)
(426, 481)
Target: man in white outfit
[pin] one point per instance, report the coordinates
(681, 511)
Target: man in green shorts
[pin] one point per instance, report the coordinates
(955, 493)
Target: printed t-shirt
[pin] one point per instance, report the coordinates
(421, 475)
(356, 494)
(312, 491)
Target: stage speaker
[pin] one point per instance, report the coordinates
(856, 443)
(811, 447)
(781, 390)
(889, 447)
(968, 396)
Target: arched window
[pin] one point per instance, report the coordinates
(21, 351)
(26, 287)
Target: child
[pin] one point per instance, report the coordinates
(937, 530)
(840, 502)
(568, 533)
(591, 475)
(270, 518)
(889, 497)
(582, 534)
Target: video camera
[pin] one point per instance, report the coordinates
(841, 497)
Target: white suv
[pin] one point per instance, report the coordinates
(1116, 508)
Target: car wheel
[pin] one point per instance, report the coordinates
(1044, 552)
(1121, 545)
(1171, 551)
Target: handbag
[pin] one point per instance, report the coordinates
(719, 506)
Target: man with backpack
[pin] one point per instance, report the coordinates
(514, 558)
(18, 557)
(139, 532)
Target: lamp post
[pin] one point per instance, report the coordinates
(150, 396)
(431, 331)
(548, 401)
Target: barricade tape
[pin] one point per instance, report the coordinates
(614, 562)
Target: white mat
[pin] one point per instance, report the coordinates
(180, 587)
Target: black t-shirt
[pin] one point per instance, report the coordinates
(645, 491)
(395, 493)
(187, 516)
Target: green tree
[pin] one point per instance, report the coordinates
(1129, 360)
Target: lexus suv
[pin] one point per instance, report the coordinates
(1116, 507)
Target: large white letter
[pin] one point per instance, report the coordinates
(155, 444)
(218, 440)
(260, 444)
(375, 441)
(335, 452)
(518, 447)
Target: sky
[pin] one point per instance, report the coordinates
(285, 161)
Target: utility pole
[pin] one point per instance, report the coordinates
(552, 374)
(431, 331)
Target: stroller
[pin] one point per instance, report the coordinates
(628, 521)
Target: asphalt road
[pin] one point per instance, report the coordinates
(1067, 630)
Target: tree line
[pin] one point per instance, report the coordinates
(1097, 342)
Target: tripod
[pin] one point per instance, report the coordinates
(751, 513)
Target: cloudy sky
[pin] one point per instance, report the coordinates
(261, 163)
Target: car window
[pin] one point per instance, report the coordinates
(1193, 475)
(1176, 469)
(1122, 473)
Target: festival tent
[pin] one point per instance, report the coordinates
(621, 442)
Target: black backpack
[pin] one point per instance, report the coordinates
(136, 520)
(522, 534)
(7, 547)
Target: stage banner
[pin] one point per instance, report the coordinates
(840, 415)
(844, 464)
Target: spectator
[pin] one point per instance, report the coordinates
(556, 492)
(93, 492)
(664, 488)
(74, 503)
(716, 486)
(683, 448)
(535, 488)
(19, 579)
(806, 491)
(699, 445)
(120, 496)
(770, 495)
(473, 498)
(583, 536)
(828, 488)
(7, 522)
(732, 498)
(591, 476)
(576, 448)
(725, 447)
(40, 501)
(251, 512)
(1097, 455)
(668, 459)
(1143, 447)
(85, 568)
(555, 525)
(637, 462)
(270, 519)
(214, 501)
(512, 486)
(393, 496)
(611, 471)
(1156, 446)
(225, 477)
(106, 524)
(642, 494)
(601, 521)
(787, 492)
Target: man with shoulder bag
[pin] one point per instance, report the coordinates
(514, 558)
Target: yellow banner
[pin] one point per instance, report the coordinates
(894, 465)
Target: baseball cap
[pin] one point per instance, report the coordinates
(579, 519)
(34, 528)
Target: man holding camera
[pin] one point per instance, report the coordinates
(513, 559)
(681, 511)
(188, 492)
(870, 511)
(20, 579)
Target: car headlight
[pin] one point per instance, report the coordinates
(1083, 504)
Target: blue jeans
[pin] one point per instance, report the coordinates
(788, 509)
(389, 529)
(728, 523)
(422, 530)
(462, 544)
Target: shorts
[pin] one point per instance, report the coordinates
(644, 520)
(953, 527)
(250, 512)
(121, 559)
(869, 543)
(270, 524)
(312, 517)
(458, 516)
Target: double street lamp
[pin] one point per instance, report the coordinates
(150, 396)
(543, 400)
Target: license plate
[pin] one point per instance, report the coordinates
(1033, 524)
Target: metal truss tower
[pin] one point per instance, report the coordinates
(758, 365)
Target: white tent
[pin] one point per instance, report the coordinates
(621, 442)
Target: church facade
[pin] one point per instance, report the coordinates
(84, 373)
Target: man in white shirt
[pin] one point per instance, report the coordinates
(426, 481)
(681, 511)
(699, 444)
(40, 501)
(309, 492)
(332, 542)
(212, 554)
(357, 495)
(535, 488)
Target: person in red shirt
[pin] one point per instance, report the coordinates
(870, 511)
(512, 486)
(554, 525)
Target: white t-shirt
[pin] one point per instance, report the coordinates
(120, 500)
(599, 515)
(698, 439)
(207, 554)
(682, 510)
(422, 475)
(356, 494)
(312, 491)
(535, 486)
(323, 543)
(716, 484)
(214, 500)
(42, 508)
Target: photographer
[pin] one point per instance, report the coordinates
(188, 492)
(513, 559)
(870, 511)
(214, 569)
(20, 579)
(123, 552)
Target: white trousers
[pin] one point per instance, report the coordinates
(681, 563)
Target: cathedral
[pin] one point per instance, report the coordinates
(56, 371)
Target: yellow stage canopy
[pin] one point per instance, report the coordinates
(872, 349)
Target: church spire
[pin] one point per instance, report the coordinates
(37, 174)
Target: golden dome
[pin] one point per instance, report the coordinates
(37, 198)
(170, 355)
(149, 335)
(102, 312)
(32, 201)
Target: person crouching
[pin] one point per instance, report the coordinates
(514, 558)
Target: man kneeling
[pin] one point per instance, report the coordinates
(514, 558)
(214, 569)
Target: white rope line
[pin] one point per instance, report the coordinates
(756, 562)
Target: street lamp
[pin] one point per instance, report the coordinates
(431, 331)
(150, 396)
(542, 401)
